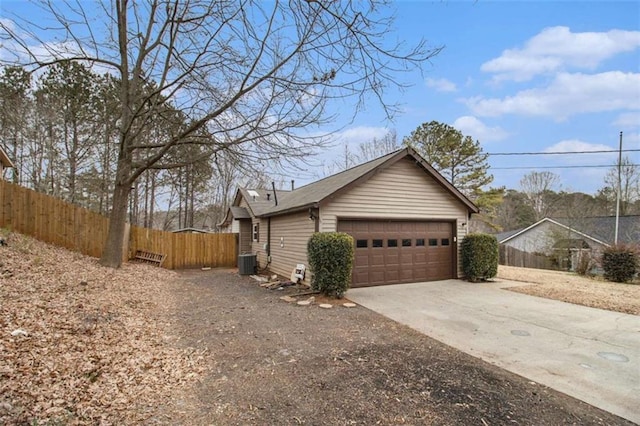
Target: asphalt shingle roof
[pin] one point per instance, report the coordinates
(601, 228)
(313, 193)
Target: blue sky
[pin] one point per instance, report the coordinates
(519, 76)
(523, 77)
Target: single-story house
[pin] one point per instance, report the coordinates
(405, 218)
(577, 236)
(5, 162)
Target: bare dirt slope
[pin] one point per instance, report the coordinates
(572, 288)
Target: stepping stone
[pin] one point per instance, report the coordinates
(325, 306)
(304, 302)
(349, 305)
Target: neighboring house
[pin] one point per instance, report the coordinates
(5, 162)
(576, 236)
(405, 218)
(191, 231)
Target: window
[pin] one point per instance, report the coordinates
(256, 232)
(362, 243)
(433, 242)
(406, 242)
(392, 243)
(376, 243)
(444, 241)
(419, 242)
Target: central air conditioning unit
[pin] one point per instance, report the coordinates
(247, 264)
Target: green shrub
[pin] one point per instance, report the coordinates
(620, 263)
(330, 260)
(479, 253)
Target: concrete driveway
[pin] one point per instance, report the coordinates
(587, 353)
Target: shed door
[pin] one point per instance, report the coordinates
(395, 252)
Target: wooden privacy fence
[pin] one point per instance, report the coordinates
(186, 250)
(52, 220)
(510, 256)
(64, 224)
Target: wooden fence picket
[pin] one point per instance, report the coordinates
(54, 221)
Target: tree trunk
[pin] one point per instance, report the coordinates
(113, 249)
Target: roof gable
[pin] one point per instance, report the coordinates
(260, 201)
(603, 228)
(4, 158)
(600, 229)
(314, 193)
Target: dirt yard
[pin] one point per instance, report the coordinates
(82, 344)
(572, 288)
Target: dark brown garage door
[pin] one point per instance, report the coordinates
(394, 252)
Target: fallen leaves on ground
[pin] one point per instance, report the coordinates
(84, 344)
(572, 288)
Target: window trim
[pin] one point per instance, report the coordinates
(255, 232)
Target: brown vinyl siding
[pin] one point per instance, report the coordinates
(293, 232)
(401, 191)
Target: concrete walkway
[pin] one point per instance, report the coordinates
(587, 353)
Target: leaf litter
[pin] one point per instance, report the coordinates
(84, 344)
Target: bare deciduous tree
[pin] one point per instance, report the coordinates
(629, 186)
(247, 75)
(540, 189)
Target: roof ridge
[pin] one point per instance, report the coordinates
(351, 168)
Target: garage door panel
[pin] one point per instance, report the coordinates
(407, 258)
(362, 260)
(392, 260)
(392, 276)
(420, 258)
(377, 277)
(376, 260)
(390, 227)
(391, 252)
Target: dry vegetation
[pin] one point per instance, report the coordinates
(572, 288)
(84, 344)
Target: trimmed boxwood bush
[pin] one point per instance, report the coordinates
(479, 253)
(331, 260)
(620, 263)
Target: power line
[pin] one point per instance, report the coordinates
(597, 166)
(563, 152)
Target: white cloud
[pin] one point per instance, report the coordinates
(360, 134)
(556, 49)
(579, 146)
(567, 95)
(628, 120)
(576, 145)
(441, 84)
(475, 128)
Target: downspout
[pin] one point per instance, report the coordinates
(268, 241)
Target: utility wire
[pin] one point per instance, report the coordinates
(563, 152)
(597, 166)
